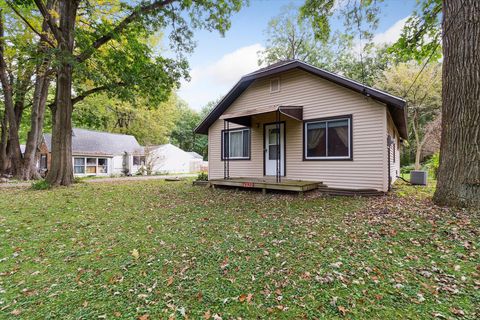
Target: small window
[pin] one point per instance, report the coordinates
(79, 165)
(274, 85)
(91, 165)
(138, 160)
(43, 162)
(328, 139)
(236, 144)
(102, 165)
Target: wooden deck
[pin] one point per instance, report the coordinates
(267, 184)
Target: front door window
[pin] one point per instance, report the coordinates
(274, 149)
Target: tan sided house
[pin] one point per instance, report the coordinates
(291, 123)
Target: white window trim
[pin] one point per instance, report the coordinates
(229, 144)
(279, 85)
(305, 148)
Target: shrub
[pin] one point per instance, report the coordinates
(41, 185)
(407, 169)
(202, 176)
(432, 164)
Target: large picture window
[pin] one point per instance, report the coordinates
(328, 139)
(91, 166)
(236, 144)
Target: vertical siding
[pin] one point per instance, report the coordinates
(319, 98)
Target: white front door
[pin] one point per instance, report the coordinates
(272, 147)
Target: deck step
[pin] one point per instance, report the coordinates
(350, 192)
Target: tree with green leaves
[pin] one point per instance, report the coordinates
(111, 36)
(424, 99)
(455, 25)
(183, 134)
(291, 37)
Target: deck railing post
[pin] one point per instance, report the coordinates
(226, 149)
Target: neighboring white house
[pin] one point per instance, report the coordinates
(102, 153)
(167, 158)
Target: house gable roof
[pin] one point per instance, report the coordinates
(395, 105)
(90, 142)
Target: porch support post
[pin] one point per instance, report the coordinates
(226, 150)
(278, 172)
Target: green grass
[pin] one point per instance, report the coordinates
(171, 250)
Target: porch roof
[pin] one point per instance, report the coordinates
(244, 117)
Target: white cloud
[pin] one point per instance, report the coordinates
(211, 81)
(391, 34)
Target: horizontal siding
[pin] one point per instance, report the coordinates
(319, 98)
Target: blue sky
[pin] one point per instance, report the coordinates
(218, 63)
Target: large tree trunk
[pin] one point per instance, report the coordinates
(61, 170)
(459, 172)
(42, 83)
(3, 144)
(13, 145)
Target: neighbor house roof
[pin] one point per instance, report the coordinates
(90, 142)
(195, 155)
(395, 105)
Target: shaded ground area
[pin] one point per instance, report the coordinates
(23, 184)
(157, 249)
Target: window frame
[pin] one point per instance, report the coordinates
(223, 143)
(347, 117)
(85, 165)
(279, 85)
(141, 159)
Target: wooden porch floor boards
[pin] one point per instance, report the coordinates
(267, 184)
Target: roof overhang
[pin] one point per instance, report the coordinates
(395, 104)
(244, 117)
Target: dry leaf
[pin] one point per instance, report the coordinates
(144, 317)
(242, 297)
(170, 281)
(16, 312)
(149, 229)
(342, 310)
(207, 315)
(135, 254)
(249, 297)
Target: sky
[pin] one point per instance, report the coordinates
(219, 62)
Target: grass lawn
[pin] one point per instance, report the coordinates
(156, 249)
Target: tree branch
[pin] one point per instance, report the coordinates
(137, 12)
(41, 35)
(87, 93)
(48, 18)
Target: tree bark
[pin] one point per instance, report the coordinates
(13, 145)
(3, 144)
(459, 171)
(42, 83)
(61, 169)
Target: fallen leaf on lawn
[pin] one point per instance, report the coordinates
(170, 281)
(144, 317)
(224, 263)
(207, 315)
(216, 317)
(149, 229)
(342, 310)
(117, 314)
(200, 296)
(16, 312)
(242, 298)
(249, 297)
(135, 254)
(457, 312)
